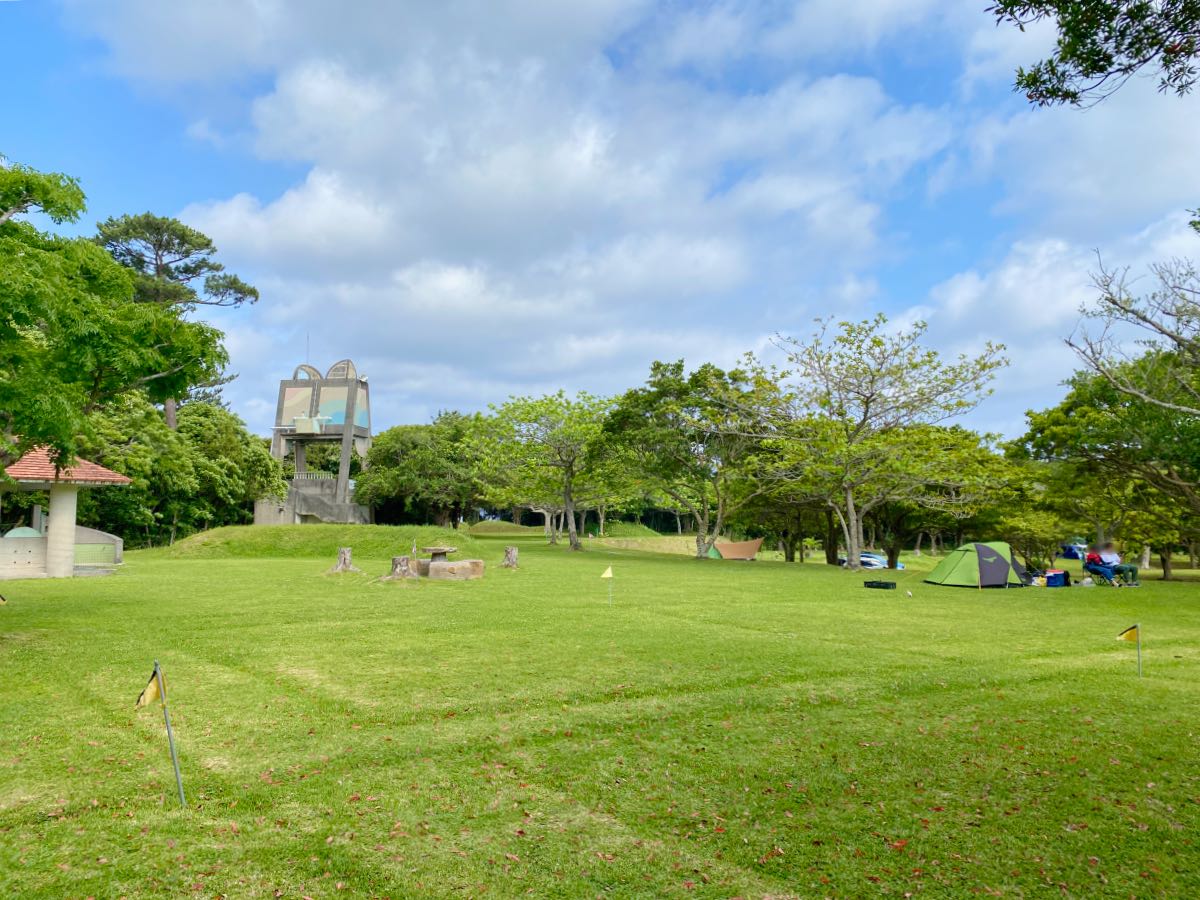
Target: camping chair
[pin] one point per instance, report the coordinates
(1104, 573)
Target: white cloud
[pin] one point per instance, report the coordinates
(1030, 301)
(821, 27)
(511, 216)
(507, 195)
(322, 224)
(994, 52)
(1091, 172)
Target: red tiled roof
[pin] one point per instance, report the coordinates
(36, 465)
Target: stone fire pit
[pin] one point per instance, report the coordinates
(439, 568)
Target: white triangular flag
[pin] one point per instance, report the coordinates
(607, 573)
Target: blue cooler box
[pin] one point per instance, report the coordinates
(1056, 578)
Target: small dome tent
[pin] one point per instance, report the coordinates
(979, 566)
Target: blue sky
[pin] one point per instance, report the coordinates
(476, 199)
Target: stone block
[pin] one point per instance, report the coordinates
(458, 570)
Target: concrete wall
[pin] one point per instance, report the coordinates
(273, 512)
(94, 547)
(26, 557)
(22, 557)
(308, 502)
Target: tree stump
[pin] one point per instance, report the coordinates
(510, 558)
(402, 568)
(343, 562)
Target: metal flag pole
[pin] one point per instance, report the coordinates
(162, 693)
(1139, 646)
(610, 592)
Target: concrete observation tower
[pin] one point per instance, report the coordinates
(333, 408)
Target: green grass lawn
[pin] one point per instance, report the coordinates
(721, 729)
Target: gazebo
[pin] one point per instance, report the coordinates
(36, 471)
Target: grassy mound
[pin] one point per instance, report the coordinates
(684, 544)
(502, 528)
(317, 541)
(628, 530)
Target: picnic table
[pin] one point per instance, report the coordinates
(438, 554)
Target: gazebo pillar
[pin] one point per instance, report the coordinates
(60, 536)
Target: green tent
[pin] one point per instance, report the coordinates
(979, 566)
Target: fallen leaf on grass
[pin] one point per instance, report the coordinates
(770, 854)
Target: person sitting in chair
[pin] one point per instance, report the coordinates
(1093, 564)
(1110, 558)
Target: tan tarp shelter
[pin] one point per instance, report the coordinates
(738, 549)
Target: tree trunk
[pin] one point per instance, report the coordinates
(510, 558)
(516, 515)
(1193, 555)
(853, 529)
(703, 544)
(602, 513)
(583, 521)
(678, 524)
(1145, 557)
(402, 569)
(1164, 559)
(917, 549)
(831, 539)
(569, 513)
(789, 548)
(705, 524)
(893, 554)
(343, 562)
(548, 527)
(870, 544)
(170, 413)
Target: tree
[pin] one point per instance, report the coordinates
(174, 263)
(175, 269)
(1167, 318)
(783, 519)
(71, 337)
(609, 484)
(207, 473)
(535, 440)
(1161, 526)
(431, 470)
(692, 437)
(1119, 437)
(234, 467)
(24, 190)
(130, 437)
(1103, 43)
(848, 425)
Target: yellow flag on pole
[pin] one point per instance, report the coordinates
(150, 692)
(1129, 634)
(607, 573)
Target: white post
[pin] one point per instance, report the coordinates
(60, 537)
